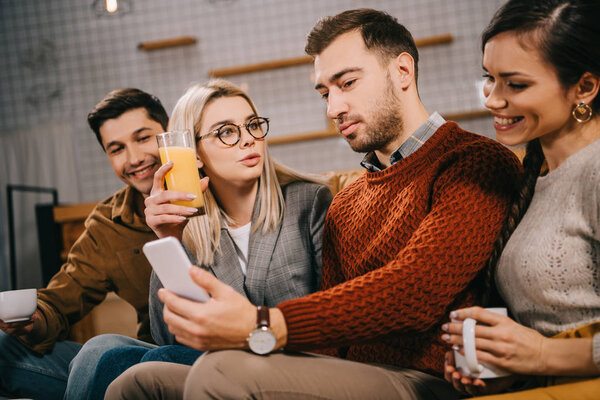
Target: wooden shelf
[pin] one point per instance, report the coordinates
(291, 62)
(162, 44)
(300, 137)
(331, 132)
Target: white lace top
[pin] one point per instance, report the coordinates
(549, 271)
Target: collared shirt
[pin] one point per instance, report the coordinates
(410, 145)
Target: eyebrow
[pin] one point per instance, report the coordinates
(506, 74)
(136, 132)
(337, 76)
(230, 121)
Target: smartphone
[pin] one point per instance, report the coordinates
(172, 266)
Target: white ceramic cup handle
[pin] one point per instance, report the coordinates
(468, 334)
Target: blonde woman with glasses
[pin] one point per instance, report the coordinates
(261, 232)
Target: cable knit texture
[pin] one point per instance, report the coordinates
(401, 248)
(549, 272)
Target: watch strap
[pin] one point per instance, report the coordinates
(262, 317)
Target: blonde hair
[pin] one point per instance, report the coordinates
(202, 234)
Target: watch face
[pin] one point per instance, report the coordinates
(262, 341)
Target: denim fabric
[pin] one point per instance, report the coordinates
(116, 361)
(24, 373)
(83, 366)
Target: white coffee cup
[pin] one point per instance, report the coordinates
(468, 364)
(17, 305)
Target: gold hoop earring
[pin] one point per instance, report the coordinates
(582, 112)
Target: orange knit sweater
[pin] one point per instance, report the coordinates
(401, 248)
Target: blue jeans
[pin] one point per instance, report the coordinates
(114, 362)
(24, 373)
(83, 366)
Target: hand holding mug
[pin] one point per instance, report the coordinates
(18, 313)
(474, 386)
(499, 342)
(20, 328)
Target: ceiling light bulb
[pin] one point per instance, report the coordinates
(111, 6)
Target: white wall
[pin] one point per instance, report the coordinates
(58, 59)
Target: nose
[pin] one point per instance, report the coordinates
(493, 97)
(135, 156)
(336, 105)
(246, 139)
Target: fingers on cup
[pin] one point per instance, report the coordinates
(164, 211)
(168, 197)
(159, 177)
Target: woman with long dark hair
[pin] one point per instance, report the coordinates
(541, 61)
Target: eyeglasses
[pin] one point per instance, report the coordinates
(230, 134)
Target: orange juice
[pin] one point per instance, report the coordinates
(184, 175)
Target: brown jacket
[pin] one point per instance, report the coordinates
(106, 257)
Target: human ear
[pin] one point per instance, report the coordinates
(199, 162)
(404, 66)
(587, 88)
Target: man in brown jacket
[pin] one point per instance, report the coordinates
(35, 355)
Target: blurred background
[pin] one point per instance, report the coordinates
(59, 58)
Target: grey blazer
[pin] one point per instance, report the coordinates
(282, 265)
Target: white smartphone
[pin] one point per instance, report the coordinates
(172, 266)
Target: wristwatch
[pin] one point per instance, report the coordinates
(262, 339)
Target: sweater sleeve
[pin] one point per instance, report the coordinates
(416, 288)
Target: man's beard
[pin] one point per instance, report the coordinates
(384, 128)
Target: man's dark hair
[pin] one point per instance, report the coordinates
(380, 32)
(120, 101)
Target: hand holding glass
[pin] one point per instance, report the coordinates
(179, 147)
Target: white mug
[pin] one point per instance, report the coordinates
(468, 364)
(17, 305)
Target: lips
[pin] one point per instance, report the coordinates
(348, 128)
(143, 172)
(251, 159)
(504, 122)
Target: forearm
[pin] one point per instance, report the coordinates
(568, 357)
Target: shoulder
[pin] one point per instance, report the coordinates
(305, 200)
(102, 218)
(479, 154)
(105, 207)
(475, 144)
(304, 191)
(588, 157)
(586, 171)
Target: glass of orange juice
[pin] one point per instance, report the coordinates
(179, 147)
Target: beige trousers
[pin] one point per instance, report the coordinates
(237, 374)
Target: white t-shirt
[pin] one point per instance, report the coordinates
(241, 237)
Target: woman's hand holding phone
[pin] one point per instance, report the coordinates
(164, 218)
